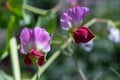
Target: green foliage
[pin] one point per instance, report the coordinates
(44, 4)
(16, 7)
(101, 63)
(48, 21)
(4, 76)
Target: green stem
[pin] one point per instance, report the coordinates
(51, 59)
(57, 53)
(52, 36)
(5, 54)
(14, 59)
(114, 71)
(79, 69)
(9, 30)
(42, 11)
(35, 10)
(94, 20)
(81, 72)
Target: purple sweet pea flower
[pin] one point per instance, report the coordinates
(73, 17)
(71, 20)
(33, 41)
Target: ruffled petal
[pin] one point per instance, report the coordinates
(73, 17)
(65, 21)
(24, 39)
(41, 38)
(78, 14)
(47, 48)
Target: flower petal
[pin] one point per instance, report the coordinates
(27, 60)
(41, 38)
(82, 35)
(24, 39)
(87, 46)
(78, 14)
(114, 34)
(41, 60)
(47, 48)
(35, 56)
(35, 52)
(38, 54)
(73, 17)
(65, 21)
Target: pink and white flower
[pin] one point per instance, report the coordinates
(34, 43)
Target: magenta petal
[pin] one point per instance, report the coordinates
(82, 35)
(27, 60)
(39, 55)
(36, 55)
(24, 39)
(41, 60)
(73, 17)
(41, 38)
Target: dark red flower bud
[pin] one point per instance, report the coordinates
(82, 35)
(36, 55)
(27, 60)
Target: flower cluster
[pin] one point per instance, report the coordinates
(37, 41)
(113, 34)
(71, 21)
(33, 44)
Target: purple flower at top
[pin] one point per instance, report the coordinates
(33, 41)
(73, 17)
(71, 21)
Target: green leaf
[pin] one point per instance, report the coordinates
(14, 59)
(48, 21)
(4, 76)
(43, 4)
(16, 7)
(9, 34)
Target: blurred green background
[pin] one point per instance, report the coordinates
(101, 63)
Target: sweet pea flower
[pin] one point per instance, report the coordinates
(33, 44)
(71, 21)
(113, 34)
